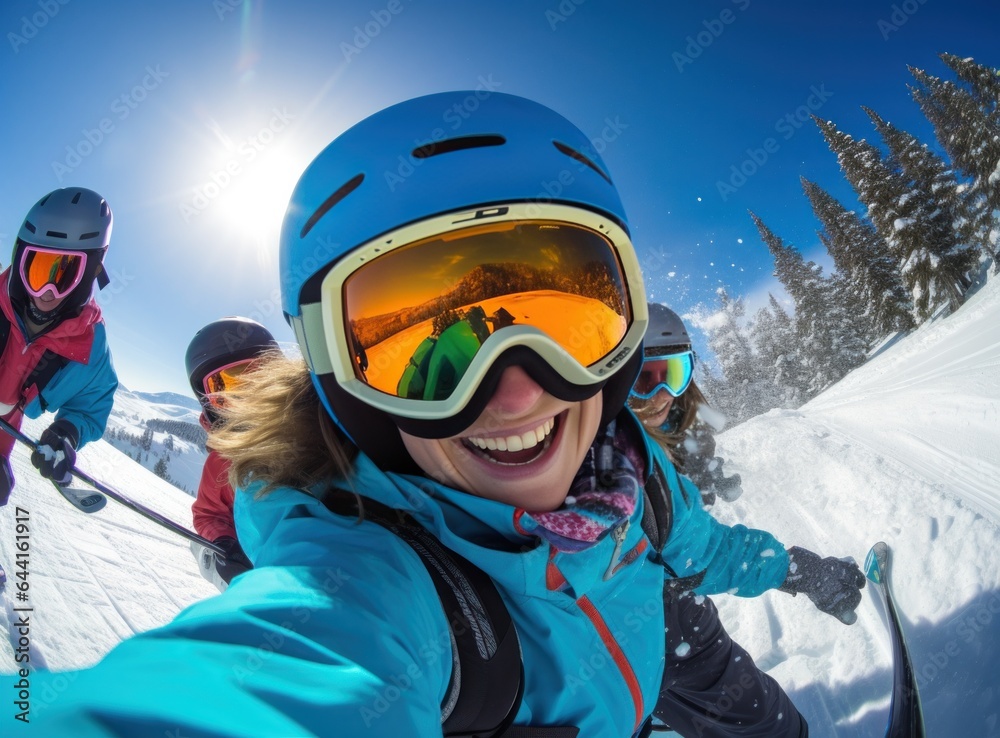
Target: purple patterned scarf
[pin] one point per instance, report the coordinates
(603, 494)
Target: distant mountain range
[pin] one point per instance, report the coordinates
(169, 398)
(160, 431)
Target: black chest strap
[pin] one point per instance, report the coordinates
(658, 519)
(47, 367)
(487, 679)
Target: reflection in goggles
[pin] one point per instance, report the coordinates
(48, 270)
(224, 379)
(672, 373)
(418, 315)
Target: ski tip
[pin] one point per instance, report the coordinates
(877, 562)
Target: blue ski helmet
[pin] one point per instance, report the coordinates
(434, 155)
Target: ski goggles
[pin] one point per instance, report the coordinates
(412, 322)
(672, 373)
(224, 379)
(51, 270)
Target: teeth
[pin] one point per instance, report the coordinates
(516, 443)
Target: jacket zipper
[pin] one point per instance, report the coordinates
(618, 534)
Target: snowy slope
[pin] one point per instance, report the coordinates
(94, 579)
(906, 449)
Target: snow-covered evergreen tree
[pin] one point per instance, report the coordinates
(970, 136)
(898, 218)
(937, 263)
(744, 390)
(983, 81)
(830, 339)
(776, 345)
(160, 469)
(862, 257)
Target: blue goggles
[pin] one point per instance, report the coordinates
(672, 373)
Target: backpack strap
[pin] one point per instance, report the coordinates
(4, 331)
(487, 676)
(658, 519)
(42, 373)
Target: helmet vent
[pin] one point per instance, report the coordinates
(30, 226)
(76, 198)
(92, 234)
(45, 199)
(574, 154)
(456, 144)
(345, 189)
(105, 210)
(55, 234)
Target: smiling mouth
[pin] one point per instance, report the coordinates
(515, 449)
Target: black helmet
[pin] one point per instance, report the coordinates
(666, 333)
(223, 342)
(69, 219)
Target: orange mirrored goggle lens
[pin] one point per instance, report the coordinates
(419, 315)
(60, 269)
(224, 379)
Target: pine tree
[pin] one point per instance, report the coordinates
(894, 210)
(160, 469)
(776, 346)
(743, 391)
(146, 442)
(983, 81)
(937, 264)
(875, 286)
(830, 342)
(971, 138)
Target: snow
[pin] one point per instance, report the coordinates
(905, 449)
(93, 579)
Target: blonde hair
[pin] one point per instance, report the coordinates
(273, 428)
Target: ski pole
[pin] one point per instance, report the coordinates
(135, 506)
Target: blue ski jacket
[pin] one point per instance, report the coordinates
(83, 394)
(338, 630)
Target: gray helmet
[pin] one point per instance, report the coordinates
(70, 219)
(666, 333)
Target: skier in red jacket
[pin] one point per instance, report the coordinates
(54, 354)
(218, 354)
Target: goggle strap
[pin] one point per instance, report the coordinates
(310, 323)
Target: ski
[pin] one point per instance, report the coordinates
(905, 717)
(84, 500)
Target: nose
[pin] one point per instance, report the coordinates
(516, 394)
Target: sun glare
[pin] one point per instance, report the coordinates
(256, 202)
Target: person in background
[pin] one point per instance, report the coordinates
(54, 354)
(675, 412)
(216, 360)
(495, 556)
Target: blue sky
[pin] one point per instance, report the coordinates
(194, 118)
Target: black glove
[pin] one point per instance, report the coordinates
(55, 454)
(729, 488)
(234, 562)
(834, 585)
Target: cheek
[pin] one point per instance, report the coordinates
(431, 456)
